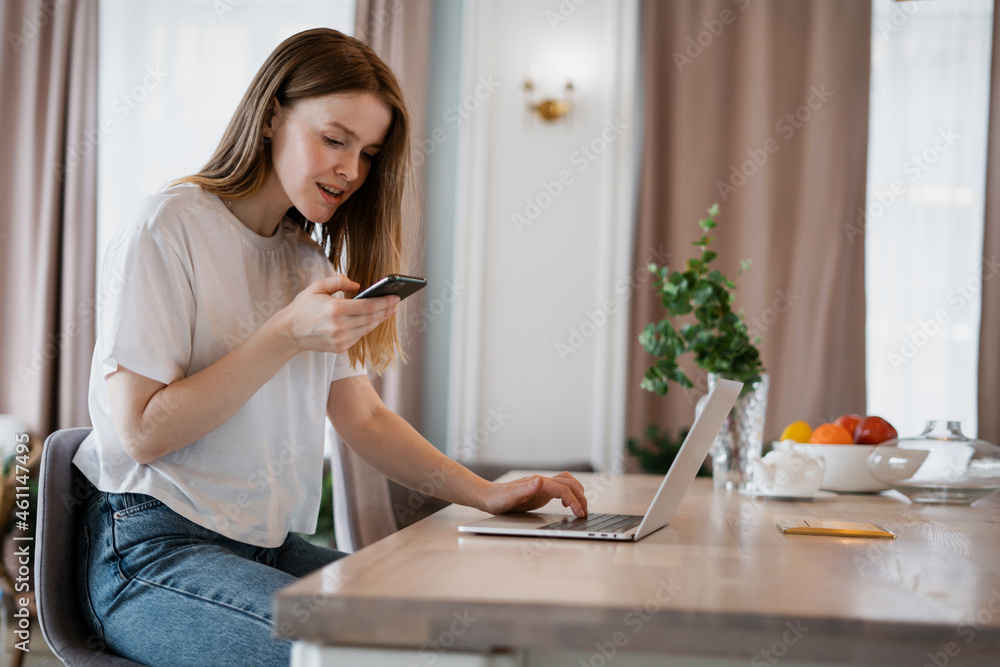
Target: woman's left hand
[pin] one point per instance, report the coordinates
(534, 492)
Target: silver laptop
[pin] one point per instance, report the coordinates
(628, 527)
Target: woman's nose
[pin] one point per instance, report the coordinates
(348, 166)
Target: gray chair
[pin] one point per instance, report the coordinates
(62, 490)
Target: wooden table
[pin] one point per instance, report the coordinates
(720, 585)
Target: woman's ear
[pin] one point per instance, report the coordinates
(273, 118)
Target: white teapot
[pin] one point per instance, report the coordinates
(787, 471)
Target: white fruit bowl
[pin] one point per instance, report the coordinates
(846, 466)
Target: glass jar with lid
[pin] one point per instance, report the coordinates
(938, 466)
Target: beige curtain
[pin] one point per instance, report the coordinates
(763, 108)
(400, 32)
(989, 334)
(48, 211)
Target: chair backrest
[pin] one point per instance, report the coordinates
(362, 508)
(62, 491)
(367, 506)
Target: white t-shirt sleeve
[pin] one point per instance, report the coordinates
(342, 368)
(148, 319)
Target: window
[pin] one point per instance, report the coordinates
(923, 221)
(170, 76)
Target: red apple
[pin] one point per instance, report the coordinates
(873, 431)
(848, 421)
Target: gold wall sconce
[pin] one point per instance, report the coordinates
(549, 109)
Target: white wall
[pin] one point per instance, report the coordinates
(171, 75)
(434, 321)
(531, 276)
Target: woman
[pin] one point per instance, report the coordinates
(224, 346)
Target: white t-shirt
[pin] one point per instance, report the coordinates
(182, 284)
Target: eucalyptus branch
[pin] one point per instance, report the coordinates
(717, 337)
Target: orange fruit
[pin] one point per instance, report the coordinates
(831, 434)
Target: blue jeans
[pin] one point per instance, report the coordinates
(161, 590)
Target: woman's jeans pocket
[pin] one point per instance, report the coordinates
(84, 560)
(130, 504)
(137, 521)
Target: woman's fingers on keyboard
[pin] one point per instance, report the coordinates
(573, 483)
(559, 488)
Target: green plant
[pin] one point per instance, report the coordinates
(659, 451)
(324, 522)
(18, 474)
(717, 336)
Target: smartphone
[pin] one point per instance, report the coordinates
(836, 528)
(401, 286)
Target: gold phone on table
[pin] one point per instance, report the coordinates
(835, 528)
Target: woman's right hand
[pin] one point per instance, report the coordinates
(317, 320)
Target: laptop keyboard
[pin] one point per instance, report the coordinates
(596, 523)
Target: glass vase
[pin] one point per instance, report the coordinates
(741, 436)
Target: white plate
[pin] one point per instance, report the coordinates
(809, 497)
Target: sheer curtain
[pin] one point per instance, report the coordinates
(363, 507)
(401, 35)
(923, 222)
(171, 75)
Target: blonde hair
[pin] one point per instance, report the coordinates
(370, 224)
